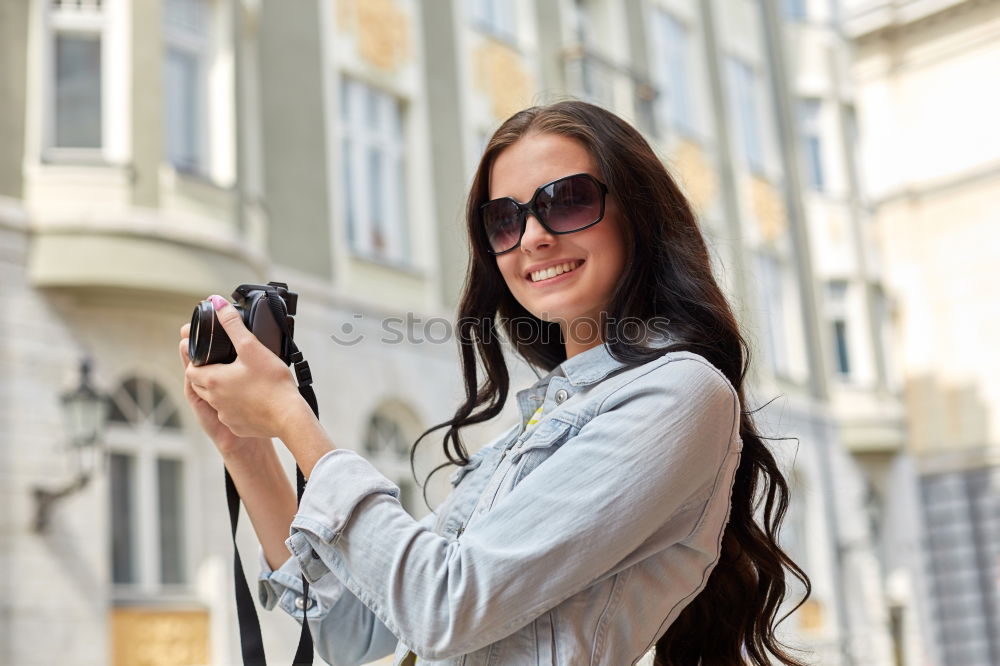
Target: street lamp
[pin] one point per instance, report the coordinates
(85, 411)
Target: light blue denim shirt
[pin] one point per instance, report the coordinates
(576, 542)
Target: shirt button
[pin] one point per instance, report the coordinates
(302, 603)
(561, 395)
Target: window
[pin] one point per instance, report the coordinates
(836, 308)
(169, 484)
(959, 510)
(795, 10)
(384, 436)
(497, 17)
(185, 99)
(883, 325)
(852, 147)
(795, 529)
(743, 86)
(374, 173)
(148, 502)
(123, 530)
(78, 91)
(772, 295)
(388, 447)
(590, 69)
(673, 62)
(77, 75)
(809, 122)
(582, 21)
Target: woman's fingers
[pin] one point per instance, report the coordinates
(243, 340)
(200, 391)
(186, 330)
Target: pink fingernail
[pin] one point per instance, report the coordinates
(217, 301)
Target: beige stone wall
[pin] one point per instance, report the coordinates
(927, 112)
(941, 254)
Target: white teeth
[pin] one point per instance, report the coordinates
(553, 271)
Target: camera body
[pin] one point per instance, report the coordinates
(267, 312)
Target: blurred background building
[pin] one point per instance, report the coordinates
(927, 99)
(153, 152)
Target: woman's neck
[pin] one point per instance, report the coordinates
(583, 333)
(574, 347)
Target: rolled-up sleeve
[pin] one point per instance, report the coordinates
(344, 630)
(639, 469)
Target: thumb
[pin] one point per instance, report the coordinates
(232, 322)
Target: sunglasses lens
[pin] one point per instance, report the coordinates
(568, 204)
(571, 203)
(503, 228)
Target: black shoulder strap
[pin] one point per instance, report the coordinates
(251, 643)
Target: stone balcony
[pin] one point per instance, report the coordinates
(87, 232)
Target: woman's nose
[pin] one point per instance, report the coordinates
(535, 235)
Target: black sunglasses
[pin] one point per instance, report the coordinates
(563, 206)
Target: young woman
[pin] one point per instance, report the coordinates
(616, 516)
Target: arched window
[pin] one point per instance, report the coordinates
(149, 504)
(385, 436)
(389, 435)
(139, 402)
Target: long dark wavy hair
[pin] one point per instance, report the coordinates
(668, 275)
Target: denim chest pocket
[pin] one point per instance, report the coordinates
(540, 445)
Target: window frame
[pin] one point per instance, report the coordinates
(811, 138)
(355, 141)
(200, 47)
(497, 18)
(393, 462)
(91, 20)
(747, 108)
(145, 440)
(838, 293)
(665, 52)
(774, 305)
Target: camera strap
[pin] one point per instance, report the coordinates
(251, 642)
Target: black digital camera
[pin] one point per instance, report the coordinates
(267, 311)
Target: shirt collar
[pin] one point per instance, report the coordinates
(596, 363)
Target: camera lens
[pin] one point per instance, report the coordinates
(207, 341)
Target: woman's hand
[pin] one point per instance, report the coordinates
(224, 439)
(246, 399)
(260, 480)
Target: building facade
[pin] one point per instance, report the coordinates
(153, 152)
(927, 104)
(136, 143)
(854, 330)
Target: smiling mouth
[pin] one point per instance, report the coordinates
(553, 271)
